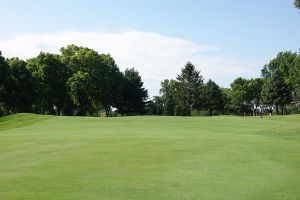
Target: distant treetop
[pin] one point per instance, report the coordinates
(297, 3)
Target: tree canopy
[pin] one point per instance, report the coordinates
(78, 81)
(134, 94)
(81, 81)
(297, 3)
(190, 83)
(212, 97)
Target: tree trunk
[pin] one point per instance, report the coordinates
(282, 110)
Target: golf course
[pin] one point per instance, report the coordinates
(222, 157)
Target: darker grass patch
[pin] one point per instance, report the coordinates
(21, 120)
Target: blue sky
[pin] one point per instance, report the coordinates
(242, 33)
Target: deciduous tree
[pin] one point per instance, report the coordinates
(21, 87)
(168, 92)
(82, 90)
(276, 91)
(50, 76)
(4, 84)
(155, 106)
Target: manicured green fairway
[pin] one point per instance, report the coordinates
(43, 157)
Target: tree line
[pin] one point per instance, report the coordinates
(79, 81)
(277, 89)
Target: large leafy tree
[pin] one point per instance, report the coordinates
(21, 86)
(294, 78)
(168, 92)
(82, 59)
(82, 90)
(276, 91)
(4, 72)
(4, 84)
(86, 68)
(286, 64)
(245, 93)
(212, 97)
(50, 76)
(246, 90)
(109, 87)
(254, 87)
(188, 95)
(102, 70)
(229, 107)
(238, 87)
(155, 106)
(239, 95)
(134, 95)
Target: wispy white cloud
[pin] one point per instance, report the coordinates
(155, 56)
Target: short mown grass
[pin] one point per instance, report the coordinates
(78, 158)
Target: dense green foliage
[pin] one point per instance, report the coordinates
(276, 91)
(278, 87)
(181, 158)
(50, 77)
(168, 91)
(189, 86)
(134, 96)
(281, 80)
(20, 90)
(246, 94)
(297, 3)
(212, 96)
(80, 81)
